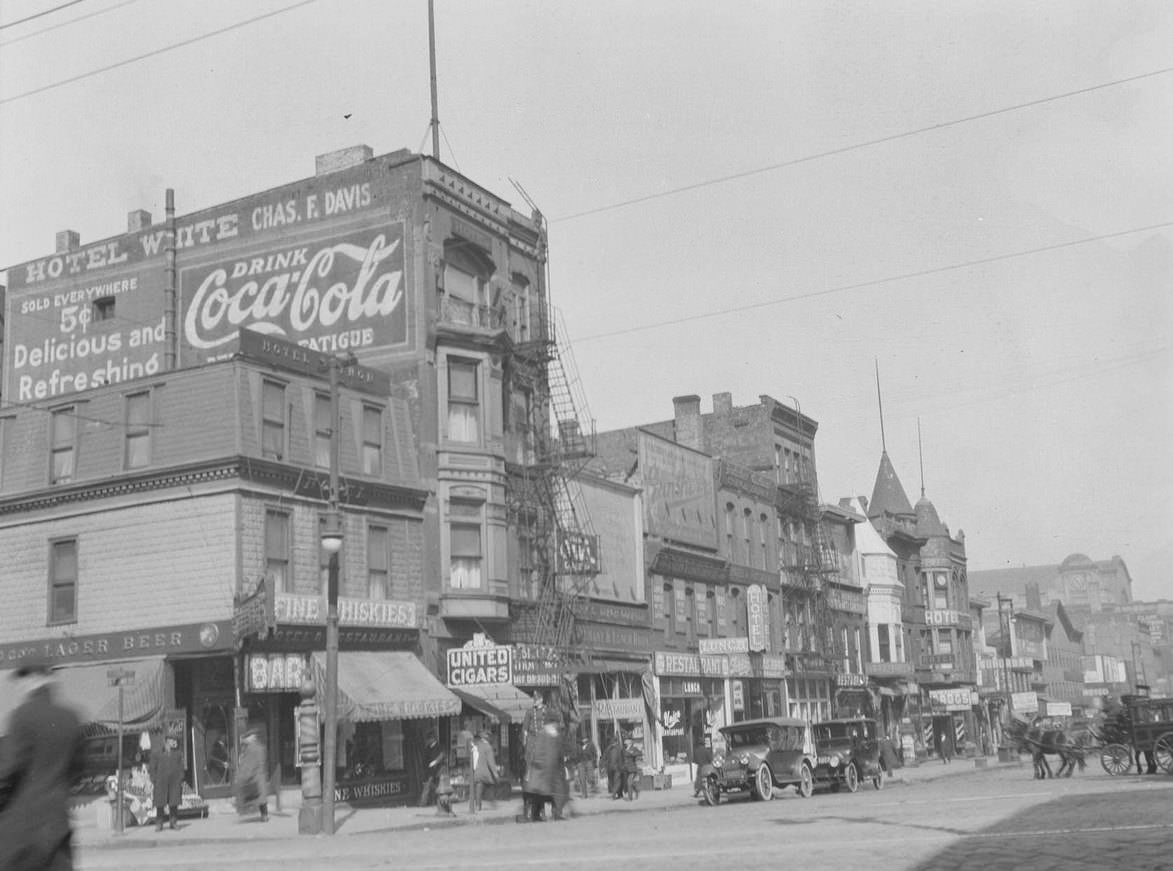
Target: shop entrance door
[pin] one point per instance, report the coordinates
(212, 747)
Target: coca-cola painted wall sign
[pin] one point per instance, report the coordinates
(336, 292)
(320, 262)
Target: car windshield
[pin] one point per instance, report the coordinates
(747, 737)
(837, 731)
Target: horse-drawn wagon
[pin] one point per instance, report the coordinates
(1143, 726)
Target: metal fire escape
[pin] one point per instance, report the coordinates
(546, 504)
(816, 563)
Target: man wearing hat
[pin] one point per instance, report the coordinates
(166, 769)
(43, 756)
(484, 770)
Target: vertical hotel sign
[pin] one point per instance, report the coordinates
(758, 619)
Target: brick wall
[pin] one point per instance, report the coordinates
(163, 561)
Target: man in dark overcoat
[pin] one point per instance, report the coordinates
(613, 765)
(166, 770)
(43, 756)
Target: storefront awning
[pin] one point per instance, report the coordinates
(886, 691)
(86, 689)
(386, 685)
(505, 699)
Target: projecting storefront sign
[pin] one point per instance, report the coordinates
(155, 641)
(954, 700)
(756, 608)
(716, 646)
(619, 709)
(275, 672)
(311, 610)
(480, 661)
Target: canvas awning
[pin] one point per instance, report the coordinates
(87, 689)
(504, 700)
(386, 685)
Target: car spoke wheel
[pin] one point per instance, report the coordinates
(851, 778)
(1116, 759)
(763, 783)
(1163, 752)
(711, 791)
(878, 780)
(806, 782)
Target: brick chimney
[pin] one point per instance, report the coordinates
(343, 158)
(137, 221)
(68, 240)
(688, 421)
(723, 404)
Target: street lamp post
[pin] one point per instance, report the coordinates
(331, 544)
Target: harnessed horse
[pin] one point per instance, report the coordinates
(1069, 746)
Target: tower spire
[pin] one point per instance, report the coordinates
(880, 402)
(921, 453)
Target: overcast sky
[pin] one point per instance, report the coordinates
(746, 197)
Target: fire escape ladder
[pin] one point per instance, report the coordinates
(564, 545)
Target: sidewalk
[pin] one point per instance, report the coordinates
(222, 825)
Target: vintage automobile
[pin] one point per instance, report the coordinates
(849, 753)
(761, 756)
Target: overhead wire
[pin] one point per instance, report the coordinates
(40, 14)
(61, 24)
(154, 53)
(876, 282)
(845, 149)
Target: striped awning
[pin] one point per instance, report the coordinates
(386, 685)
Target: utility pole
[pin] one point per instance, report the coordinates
(331, 544)
(1007, 627)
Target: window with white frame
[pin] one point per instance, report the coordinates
(372, 440)
(884, 643)
(521, 309)
(277, 550)
(63, 445)
(463, 401)
(378, 562)
(138, 430)
(63, 578)
(272, 420)
(466, 554)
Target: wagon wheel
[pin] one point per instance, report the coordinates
(711, 791)
(1116, 759)
(1163, 752)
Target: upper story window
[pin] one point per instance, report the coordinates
(521, 309)
(63, 445)
(138, 430)
(378, 562)
(372, 440)
(323, 430)
(463, 401)
(273, 429)
(466, 556)
(747, 535)
(277, 550)
(466, 284)
(763, 525)
(63, 581)
(729, 519)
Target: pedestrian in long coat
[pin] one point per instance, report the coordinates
(252, 778)
(546, 774)
(613, 765)
(166, 770)
(632, 755)
(484, 770)
(43, 755)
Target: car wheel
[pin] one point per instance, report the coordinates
(763, 783)
(711, 791)
(878, 780)
(851, 778)
(806, 782)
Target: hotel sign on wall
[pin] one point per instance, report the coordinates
(319, 262)
(757, 610)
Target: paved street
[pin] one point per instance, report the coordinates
(949, 817)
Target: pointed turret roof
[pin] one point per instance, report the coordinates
(928, 523)
(888, 494)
